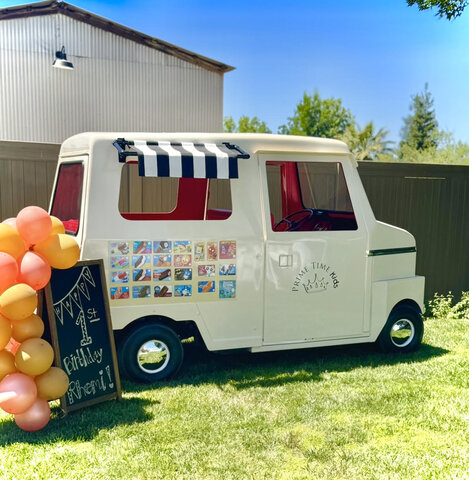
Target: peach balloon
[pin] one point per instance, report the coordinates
(60, 250)
(17, 393)
(57, 225)
(8, 271)
(31, 327)
(7, 364)
(33, 224)
(52, 384)
(18, 302)
(5, 332)
(34, 356)
(10, 221)
(12, 346)
(34, 270)
(10, 241)
(35, 418)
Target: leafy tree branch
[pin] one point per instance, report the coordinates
(449, 9)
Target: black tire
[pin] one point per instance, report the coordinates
(403, 331)
(150, 353)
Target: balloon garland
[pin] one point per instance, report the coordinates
(30, 245)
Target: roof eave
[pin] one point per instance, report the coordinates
(54, 7)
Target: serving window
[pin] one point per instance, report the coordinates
(170, 198)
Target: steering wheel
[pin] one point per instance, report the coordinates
(294, 224)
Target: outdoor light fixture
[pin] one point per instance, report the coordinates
(61, 60)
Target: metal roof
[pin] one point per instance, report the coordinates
(54, 7)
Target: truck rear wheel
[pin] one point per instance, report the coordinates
(403, 331)
(150, 353)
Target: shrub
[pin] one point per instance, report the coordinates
(442, 306)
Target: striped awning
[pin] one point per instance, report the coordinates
(181, 159)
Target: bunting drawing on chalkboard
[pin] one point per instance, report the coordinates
(73, 305)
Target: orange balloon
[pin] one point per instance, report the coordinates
(52, 384)
(7, 364)
(34, 356)
(5, 332)
(8, 271)
(34, 270)
(31, 327)
(35, 418)
(18, 302)
(33, 224)
(60, 250)
(57, 225)
(10, 241)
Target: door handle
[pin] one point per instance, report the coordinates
(285, 260)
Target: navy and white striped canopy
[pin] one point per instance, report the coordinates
(181, 159)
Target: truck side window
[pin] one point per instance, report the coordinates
(309, 196)
(67, 196)
(167, 198)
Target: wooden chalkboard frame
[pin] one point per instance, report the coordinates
(49, 304)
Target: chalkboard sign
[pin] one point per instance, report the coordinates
(81, 334)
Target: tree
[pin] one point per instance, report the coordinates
(446, 8)
(448, 152)
(229, 125)
(420, 130)
(318, 118)
(245, 125)
(366, 143)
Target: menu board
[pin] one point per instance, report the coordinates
(171, 271)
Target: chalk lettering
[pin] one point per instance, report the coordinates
(108, 371)
(92, 315)
(81, 359)
(77, 390)
(81, 321)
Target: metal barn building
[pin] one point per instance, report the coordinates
(121, 79)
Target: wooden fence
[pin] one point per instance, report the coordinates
(27, 172)
(430, 201)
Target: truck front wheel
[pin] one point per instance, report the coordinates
(403, 331)
(150, 353)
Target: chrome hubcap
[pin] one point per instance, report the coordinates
(402, 332)
(153, 356)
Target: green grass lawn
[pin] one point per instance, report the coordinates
(335, 413)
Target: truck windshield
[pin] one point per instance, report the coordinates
(67, 197)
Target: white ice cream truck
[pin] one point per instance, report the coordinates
(247, 241)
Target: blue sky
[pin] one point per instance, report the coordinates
(373, 54)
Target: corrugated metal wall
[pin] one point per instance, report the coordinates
(116, 85)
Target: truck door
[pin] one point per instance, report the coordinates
(315, 275)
